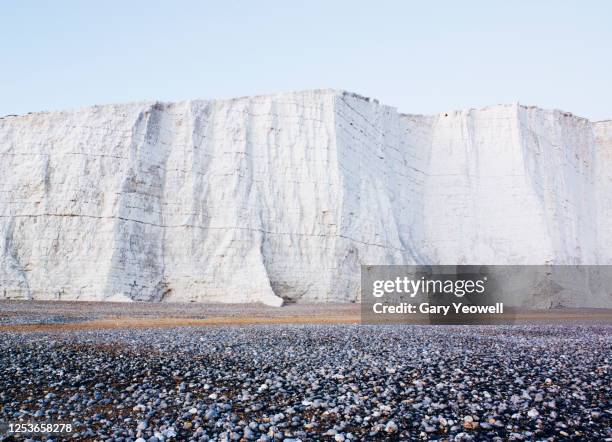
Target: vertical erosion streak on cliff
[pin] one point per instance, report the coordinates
(265, 187)
(381, 171)
(416, 133)
(479, 206)
(137, 264)
(186, 203)
(603, 191)
(295, 171)
(291, 214)
(253, 148)
(214, 205)
(559, 154)
(13, 278)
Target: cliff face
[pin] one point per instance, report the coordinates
(284, 196)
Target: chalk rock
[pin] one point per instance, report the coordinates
(283, 197)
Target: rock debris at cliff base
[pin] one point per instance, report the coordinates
(340, 383)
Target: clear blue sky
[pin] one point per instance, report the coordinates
(419, 56)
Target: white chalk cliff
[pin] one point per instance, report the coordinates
(284, 196)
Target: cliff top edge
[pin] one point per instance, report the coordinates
(303, 93)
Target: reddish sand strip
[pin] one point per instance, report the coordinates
(129, 322)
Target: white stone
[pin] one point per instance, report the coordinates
(261, 199)
(533, 413)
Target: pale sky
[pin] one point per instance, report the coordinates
(419, 56)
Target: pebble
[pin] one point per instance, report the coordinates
(391, 427)
(533, 413)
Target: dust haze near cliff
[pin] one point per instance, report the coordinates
(284, 196)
